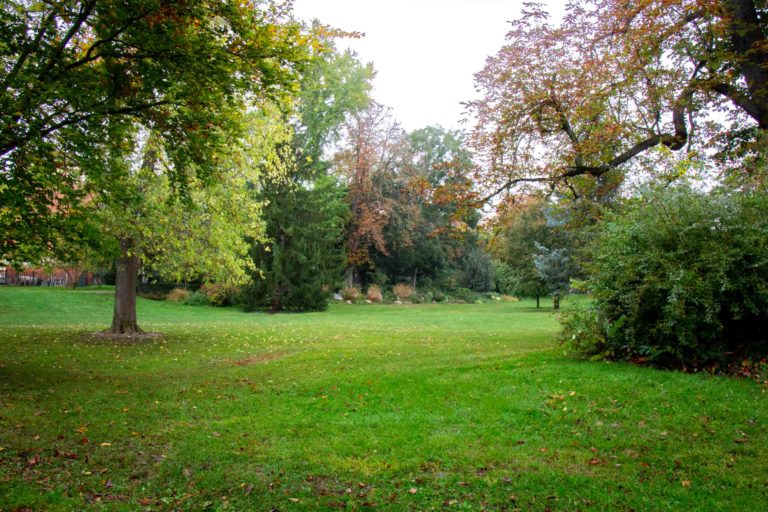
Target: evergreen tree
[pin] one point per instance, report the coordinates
(305, 211)
(303, 256)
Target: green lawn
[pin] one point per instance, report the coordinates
(444, 407)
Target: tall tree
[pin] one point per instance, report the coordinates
(372, 150)
(305, 212)
(596, 93)
(82, 80)
(204, 234)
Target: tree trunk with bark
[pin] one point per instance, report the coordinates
(555, 302)
(126, 279)
(349, 276)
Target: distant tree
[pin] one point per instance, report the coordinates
(371, 152)
(434, 237)
(202, 235)
(555, 268)
(477, 270)
(519, 228)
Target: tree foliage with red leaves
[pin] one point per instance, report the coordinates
(374, 149)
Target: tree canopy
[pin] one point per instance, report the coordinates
(81, 78)
(599, 90)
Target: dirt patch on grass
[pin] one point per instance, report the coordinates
(257, 358)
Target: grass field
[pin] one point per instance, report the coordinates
(430, 407)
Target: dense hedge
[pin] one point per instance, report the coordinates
(679, 278)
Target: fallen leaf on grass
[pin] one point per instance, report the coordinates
(65, 455)
(740, 440)
(686, 483)
(294, 500)
(413, 490)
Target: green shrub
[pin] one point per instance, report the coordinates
(465, 295)
(503, 277)
(681, 278)
(155, 291)
(585, 334)
(438, 296)
(428, 297)
(199, 298)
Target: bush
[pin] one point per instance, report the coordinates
(438, 296)
(402, 291)
(465, 295)
(374, 293)
(219, 294)
(350, 293)
(585, 334)
(681, 278)
(178, 295)
(198, 298)
(428, 297)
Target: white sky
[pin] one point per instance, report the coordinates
(425, 52)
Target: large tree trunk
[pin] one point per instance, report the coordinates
(124, 316)
(556, 302)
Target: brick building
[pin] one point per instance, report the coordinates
(36, 276)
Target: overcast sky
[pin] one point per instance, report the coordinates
(425, 51)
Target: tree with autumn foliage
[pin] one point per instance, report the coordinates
(85, 81)
(371, 151)
(617, 86)
(443, 243)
